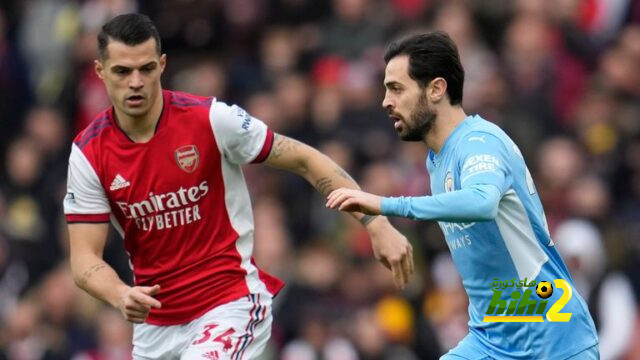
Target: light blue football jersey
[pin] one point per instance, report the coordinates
(514, 245)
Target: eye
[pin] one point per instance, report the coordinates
(121, 71)
(148, 68)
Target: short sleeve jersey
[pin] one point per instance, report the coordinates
(180, 201)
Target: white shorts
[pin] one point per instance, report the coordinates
(233, 331)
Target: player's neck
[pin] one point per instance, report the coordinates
(448, 119)
(141, 128)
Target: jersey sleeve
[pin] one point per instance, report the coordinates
(483, 160)
(241, 137)
(85, 200)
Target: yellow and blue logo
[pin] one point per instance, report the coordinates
(522, 308)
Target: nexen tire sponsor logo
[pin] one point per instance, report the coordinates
(175, 208)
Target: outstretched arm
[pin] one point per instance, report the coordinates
(390, 247)
(484, 177)
(92, 274)
(475, 203)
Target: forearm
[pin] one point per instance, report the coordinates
(96, 277)
(318, 169)
(478, 203)
(326, 176)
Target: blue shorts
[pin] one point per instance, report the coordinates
(470, 348)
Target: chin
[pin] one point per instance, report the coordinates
(136, 111)
(410, 136)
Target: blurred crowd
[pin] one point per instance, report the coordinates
(561, 77)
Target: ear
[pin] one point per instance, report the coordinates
(98, 68)
(437, 89)
(162, 62)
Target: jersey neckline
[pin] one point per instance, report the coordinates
(123, 137)
(435, 157)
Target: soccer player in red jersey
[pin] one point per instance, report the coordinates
(164, 168)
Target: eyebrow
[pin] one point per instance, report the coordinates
(149, 64)
(391, 83)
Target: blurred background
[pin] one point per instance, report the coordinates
(561, 77)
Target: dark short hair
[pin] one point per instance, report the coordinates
(431, 55)
(131, 29)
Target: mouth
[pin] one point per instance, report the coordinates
(135, 100)
(397, 121)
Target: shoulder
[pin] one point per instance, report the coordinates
(484, 134)
(185, 100)
(87, 139)
(482, 126)
(483, 143)
(193, 106)
(95, 129)
(187, 112)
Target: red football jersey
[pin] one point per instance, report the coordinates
(179, 201)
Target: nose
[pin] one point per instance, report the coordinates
(386, 102)
(135, 81)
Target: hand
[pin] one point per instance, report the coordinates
(136, 302)
(392, 249)
(354, 200)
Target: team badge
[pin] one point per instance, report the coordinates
(187, 158)
(448, 182)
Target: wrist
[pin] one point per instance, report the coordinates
(120, 293)
(367, 219)
(378, 222)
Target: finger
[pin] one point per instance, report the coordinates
(385, 262)
(135, 316)
(338, 200)
(413, 269)
(331, 199)
(150, 290)
(131, 313)
(406, 269)
(349, 204)
(331, 202)
(136, 320)
(334, 193)
(135, 306)
(146, 300)
(396, 269)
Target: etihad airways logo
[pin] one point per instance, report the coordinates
(162, 211)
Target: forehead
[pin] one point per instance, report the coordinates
(397, 70)
(119, 53)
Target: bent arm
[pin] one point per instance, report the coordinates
(318, 169)
(90, 272)
(389, 246)
(475, 203)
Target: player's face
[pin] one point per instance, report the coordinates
(406, 102)
(131, 75)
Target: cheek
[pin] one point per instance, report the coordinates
(114, 83)
(407, 105)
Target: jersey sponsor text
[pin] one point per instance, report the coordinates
(168, 210)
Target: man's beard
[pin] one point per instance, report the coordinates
(420, 122)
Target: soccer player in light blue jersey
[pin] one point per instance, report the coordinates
(486, 204)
